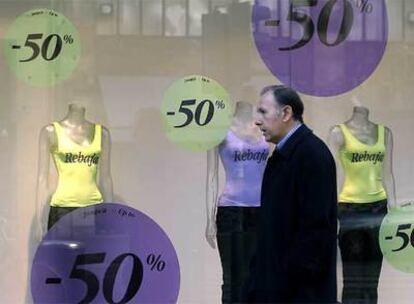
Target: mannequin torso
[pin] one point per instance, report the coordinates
(76, 127)
(244, 128)
(367, 133)
(80, 133)
(363, 129)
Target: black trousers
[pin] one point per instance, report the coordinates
(236, 239)
(360, 250)
(56, 213)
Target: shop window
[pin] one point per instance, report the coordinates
(152, 17)
(197, 8)
(129, 17)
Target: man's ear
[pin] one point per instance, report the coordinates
(287, 113)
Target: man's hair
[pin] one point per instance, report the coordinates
(286, 96)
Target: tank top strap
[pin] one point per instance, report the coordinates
(346, 133)
(381, 135)
(58, 128)
(97, 139)
(58, 132)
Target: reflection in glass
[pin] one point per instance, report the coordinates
(375, 31)
(175, 18)
(106, 11)
(129, 11)
(197, 9)
(152, 17)
(221, 5)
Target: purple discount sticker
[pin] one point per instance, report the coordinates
(107, 253)
(321, 47)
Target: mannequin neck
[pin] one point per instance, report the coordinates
(244, 113)
(243, 123)
(76, 114)
(360, 116)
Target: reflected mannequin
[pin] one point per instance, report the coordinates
(363, 153)
(81, 153)
(231, 218)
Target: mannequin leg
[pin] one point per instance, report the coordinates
(225, 218)
(352, 240)
(244, 245)
(360, 250)
(236, 239)
(57, 213)
(374, 254)
(249, 244)
(237, 265)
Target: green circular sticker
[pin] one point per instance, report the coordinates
(42, 47)
(196, 113)
(397, 238)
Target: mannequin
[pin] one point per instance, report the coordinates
(231, 218)
(366, 132)
(363, 153)
(78, 147)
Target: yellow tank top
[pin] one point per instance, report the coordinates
(77, 168)
(362, 166)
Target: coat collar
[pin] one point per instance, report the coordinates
(291, 143)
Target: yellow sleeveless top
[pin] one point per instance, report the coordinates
(77, 168)
(362, 165)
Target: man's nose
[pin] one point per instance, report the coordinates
(258, 122)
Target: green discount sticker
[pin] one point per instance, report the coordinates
(42, 47)
(196, 113)
(397, 238)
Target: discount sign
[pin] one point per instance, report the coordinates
(42, 47)
(397, 238)
(196, 113)
(107, 253)
(321, 47)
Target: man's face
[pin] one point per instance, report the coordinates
(270, 118)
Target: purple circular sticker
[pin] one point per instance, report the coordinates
(321, 47)
(107, 253)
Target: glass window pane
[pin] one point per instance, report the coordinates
(375, 33)
(197, 9)
(175, 18)
(152, 17)
(129, 17)
(106, 17)
(221, 5)
(395, 11)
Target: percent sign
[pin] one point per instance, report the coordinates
(155, 262)
(220, 104)
(364, 6)
(68, 39)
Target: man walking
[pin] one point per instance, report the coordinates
(295, 260)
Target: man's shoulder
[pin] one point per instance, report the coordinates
(310, 140)
(313, 147)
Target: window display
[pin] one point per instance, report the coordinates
(137, 102)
